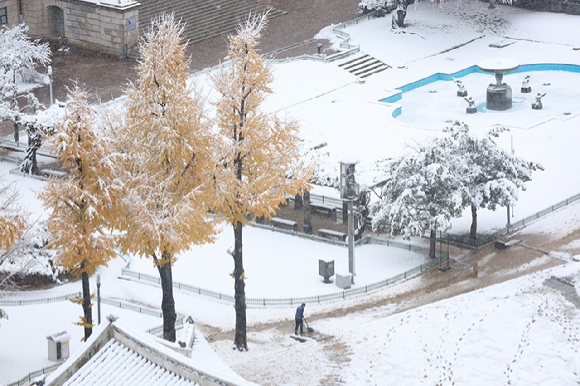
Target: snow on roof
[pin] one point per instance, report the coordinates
(114, 3)
(117, 354)
(116, 364)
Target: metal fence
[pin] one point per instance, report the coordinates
(34, 374)
(28, 302)
(465, 240)
(131, 307)
(264, 302)
(364, 241)
(9, 160)
(337, 29)
(26, 175)
(111, 302)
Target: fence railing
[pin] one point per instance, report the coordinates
(26, 175)
(34, 374)
(111, 302)
(131, 307)
(28, 302)
(9, 160)
(337, 29)
(364, 241)
(484, 239)
(265, 302)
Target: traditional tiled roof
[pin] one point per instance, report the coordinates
(116, 354)
(115, 364)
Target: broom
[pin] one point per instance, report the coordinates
(308, 328)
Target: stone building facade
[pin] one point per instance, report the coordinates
(110, 26)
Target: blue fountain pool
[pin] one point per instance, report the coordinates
(432, 102)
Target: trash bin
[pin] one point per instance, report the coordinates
(344, 281)
(58, 346)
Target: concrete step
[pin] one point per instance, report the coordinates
(364, 66)
(375, 71)
(221, 27)
(353, 60)
(203, 18)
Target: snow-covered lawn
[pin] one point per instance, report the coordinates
(519, 332)
(281, 266)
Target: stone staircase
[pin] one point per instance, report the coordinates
(203, 18)
(364, 65)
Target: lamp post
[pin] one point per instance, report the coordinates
(50, 83)
(349, 191)
(99, 296)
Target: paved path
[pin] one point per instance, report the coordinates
(567, 289)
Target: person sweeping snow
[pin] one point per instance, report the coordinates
(299, 319)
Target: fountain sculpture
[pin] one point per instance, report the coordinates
(462, 92)
(499, 95)
(471, 109)
(537, 105)
(526, 88)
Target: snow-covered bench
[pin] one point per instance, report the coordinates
(333, 235)
(284, 224)
(505, 244)
(323, 208)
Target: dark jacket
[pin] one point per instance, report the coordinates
(300, 313)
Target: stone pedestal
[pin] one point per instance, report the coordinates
(499, 97)
(471, 110)
(526, 90)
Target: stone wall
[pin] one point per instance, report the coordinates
(571, 7)
(106, 28)
(12, 11)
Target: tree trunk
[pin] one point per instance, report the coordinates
(16, 134)
(167, 302)
(473, 230)
(87, 305)
(432, 243)
(240, 292)
(307, 228)
(30, 164)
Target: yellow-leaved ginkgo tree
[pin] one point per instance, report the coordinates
(165, 153)
(259, 153)
(80, 203)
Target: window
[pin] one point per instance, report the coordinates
(3, 18)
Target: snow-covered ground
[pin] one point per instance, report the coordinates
(518, 332)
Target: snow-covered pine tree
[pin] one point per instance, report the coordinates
(421, 192)
(165, 148)
(80, 203)
(18, 53)
(258, 151)
(490, 176)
